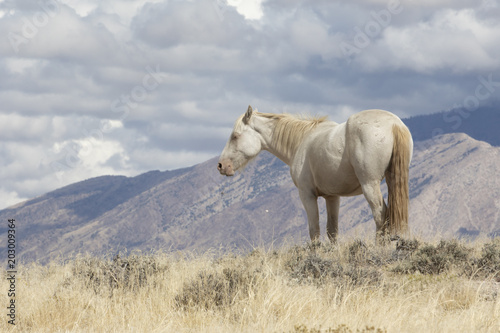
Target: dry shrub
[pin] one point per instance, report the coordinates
(324, 265)
(436, 259)
(314, 268)
(359, 276)
(284, 290)
(306, 265)
(489, 262)
(405, 248)
(339, 329)
(210, 290)
(357, 252)
(128, 273)
(407, 245)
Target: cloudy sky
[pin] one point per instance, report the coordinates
(90, 88)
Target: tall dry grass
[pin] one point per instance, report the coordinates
(355, 286)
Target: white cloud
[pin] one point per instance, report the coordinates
(19, 65)
(251, 9)
(170, 160)
(10, 198)
(75, 160)
(78, 100)
(18, 127)
(452, 40)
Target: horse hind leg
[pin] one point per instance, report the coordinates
(375, 199)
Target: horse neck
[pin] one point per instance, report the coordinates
(283, 134)
(265, 125)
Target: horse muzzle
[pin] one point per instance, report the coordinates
(225, 168)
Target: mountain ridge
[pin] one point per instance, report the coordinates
(196, 209)
(481, 124)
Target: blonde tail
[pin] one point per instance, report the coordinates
(397, 176)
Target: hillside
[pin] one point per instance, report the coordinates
(453, 189)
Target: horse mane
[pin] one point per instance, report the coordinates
(290, 130)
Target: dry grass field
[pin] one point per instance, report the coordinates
(446, 286)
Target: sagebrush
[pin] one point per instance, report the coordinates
(446, 286)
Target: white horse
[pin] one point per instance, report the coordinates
(332, 160)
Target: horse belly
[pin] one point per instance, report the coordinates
(336, 179)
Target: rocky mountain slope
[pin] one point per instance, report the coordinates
(454, 190)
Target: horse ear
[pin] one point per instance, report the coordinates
(248, 115)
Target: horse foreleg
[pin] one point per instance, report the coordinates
(310, 202)
(332, 226)
(374, 197)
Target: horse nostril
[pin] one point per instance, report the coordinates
(219, 166)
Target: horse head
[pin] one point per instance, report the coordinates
(243, 145)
